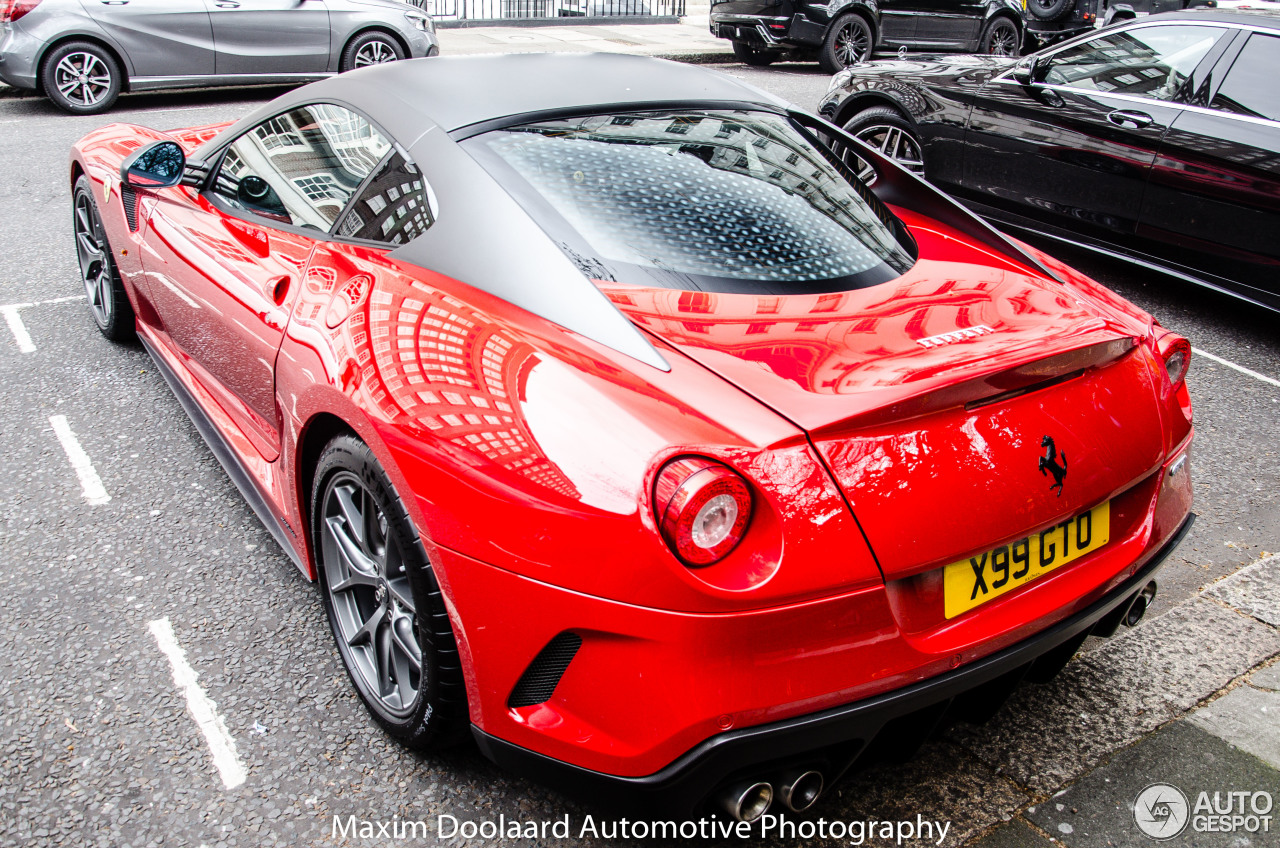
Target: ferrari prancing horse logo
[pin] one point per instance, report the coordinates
(1049, 464)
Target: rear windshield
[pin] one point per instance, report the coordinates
(705, 200)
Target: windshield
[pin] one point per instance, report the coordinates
(731, 201)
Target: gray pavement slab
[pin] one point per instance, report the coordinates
(1097, 812)
(1246, 717)
(1254, 589)
(1015, 834)
(1048, 735)
(1267, 678)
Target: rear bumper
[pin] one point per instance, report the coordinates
(18, 53)
(776, 32)
(831, 740)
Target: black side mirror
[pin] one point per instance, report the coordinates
(1033, 72)
(158, 165)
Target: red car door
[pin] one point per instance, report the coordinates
(225, 264)
(223, 288)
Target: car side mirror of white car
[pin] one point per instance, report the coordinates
(158, 165)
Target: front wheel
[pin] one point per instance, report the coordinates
(848, 42)
(371, 48)
(383, 602)
(885, 129)
(1001, 39)
(81, 78)
(749, 54)
(107, 299)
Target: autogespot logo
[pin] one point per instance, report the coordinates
(1161, 811)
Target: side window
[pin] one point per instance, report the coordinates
(1151, 61)
(395, 206)
(300, 167)
(1250, 88)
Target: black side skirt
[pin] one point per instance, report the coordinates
(225, 455)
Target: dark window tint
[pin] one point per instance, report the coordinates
(395, 206)
(1251, 85)
(301, 167)
(722, 201)
(1149, 61)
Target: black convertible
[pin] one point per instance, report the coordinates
(1155, 140)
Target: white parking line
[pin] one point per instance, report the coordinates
(221, 746)
(91, 484)
(19, 330)
(1254, 374)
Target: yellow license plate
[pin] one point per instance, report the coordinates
(974, 581)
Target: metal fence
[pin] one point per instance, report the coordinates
(568, 12)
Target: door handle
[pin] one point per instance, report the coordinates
(227, 5)
(1120, 117)
(114, 2)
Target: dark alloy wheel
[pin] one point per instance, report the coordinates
(371, 48)
(848, 42)
(885, 129)
(383, 603)
(749, 54)
(1001, 38)
(107, 300)
(81, 77)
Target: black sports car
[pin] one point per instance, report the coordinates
(843, 32)
(1155, 140)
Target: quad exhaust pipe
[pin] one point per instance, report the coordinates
(746, 802)
(798, 790)
(1139, 606)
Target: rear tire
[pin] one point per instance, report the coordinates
(1002, 38)
(848, 41)
(384, 605)
(371, 48)
(749, 54)
(81, 77)
(108, 303)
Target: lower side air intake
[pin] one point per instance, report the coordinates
(539, 680)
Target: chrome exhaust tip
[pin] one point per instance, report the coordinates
(746, 802)
(799, 790)
(1139, 606)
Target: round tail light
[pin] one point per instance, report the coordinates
(703, 509)
(1176, 353)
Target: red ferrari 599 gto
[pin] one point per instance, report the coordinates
(625, 429)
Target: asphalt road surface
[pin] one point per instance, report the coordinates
(115, 516)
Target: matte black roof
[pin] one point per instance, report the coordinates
(457, 91)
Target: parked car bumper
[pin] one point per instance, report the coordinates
(830, 739)
(19, 54)
(660, 708)
(795, 31)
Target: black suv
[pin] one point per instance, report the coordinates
(846, 31)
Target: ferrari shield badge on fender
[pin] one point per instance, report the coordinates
(1049, 464)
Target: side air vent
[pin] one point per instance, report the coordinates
(129, 198)
(539, 680)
